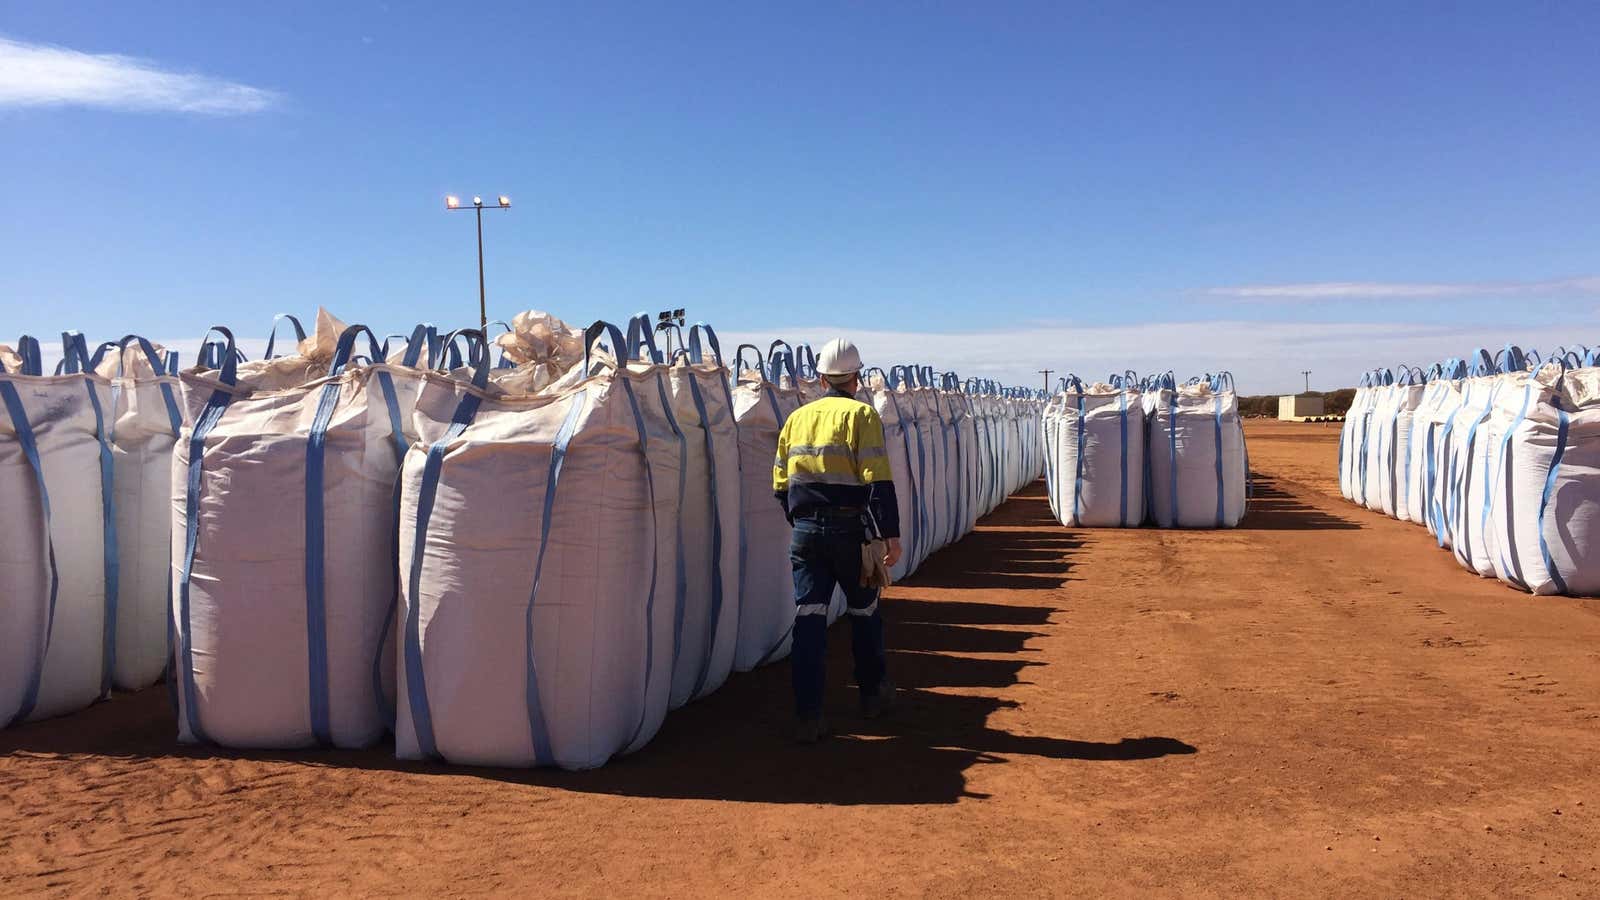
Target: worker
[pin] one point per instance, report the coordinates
(832, 477)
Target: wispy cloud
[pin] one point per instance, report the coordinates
(33, 75)
(1405, 290)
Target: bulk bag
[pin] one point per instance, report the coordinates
(1544, 501)
(898, 439)
(709, 518)
(1463, 452)
(1388, 444)
(58, 561)
(1476, 459)
(961, 412)
(1349, 445)
(766, 579)
(1097, 455)
(283, 544)
(145, 418)
(540, 565)
(1425, 421)
(1197, 455)
(1436, 450)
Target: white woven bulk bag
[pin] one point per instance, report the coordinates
(1468, 454)
(1425, 421)
(702, 406)
(1197, 456)
(145, 417)
(1347, 443)
(915, 423)
(1545, 500)
(1050, 420)
(966, 417)
(538, 553)
(935, 489)
(949, 454)
(766, 577)
(1389, 453)
(892, 408)
(57, 578)
(1436, 434)
(1098, 459)
(283, 536)
(1478, 457)
(935, 503)
(1373, 444)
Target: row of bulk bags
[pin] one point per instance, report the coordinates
(956, 452)
(1094, 438)
(283, 525)
(58, 570)
(630, 579)
(1122, 452)
(1494, 463)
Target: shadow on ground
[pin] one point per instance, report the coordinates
(734, 744)
(1272, 508)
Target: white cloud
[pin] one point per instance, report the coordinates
(33, 75)
(1403, 290)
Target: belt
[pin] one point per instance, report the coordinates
(834, 512)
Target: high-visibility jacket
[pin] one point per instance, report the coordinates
(831, 456)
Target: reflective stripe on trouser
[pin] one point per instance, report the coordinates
(825, 556)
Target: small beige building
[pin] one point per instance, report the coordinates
(1294, 407)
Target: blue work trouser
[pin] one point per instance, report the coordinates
(825, 553)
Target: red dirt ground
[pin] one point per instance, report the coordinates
(1318, 702)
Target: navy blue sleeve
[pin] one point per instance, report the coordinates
(885, 508)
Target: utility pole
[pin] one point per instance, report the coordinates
(452, 203)
(1046, 373)
(1307, 374)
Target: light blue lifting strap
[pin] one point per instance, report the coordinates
(427, 493)
(316, 535)
(650, 600)
(537, 730)
(75, 355)
(209, 416)
(30, 450)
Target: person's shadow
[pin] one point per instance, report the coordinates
(735, 744)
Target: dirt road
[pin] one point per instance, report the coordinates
(1318, 702)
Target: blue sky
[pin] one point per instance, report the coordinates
(989, 187)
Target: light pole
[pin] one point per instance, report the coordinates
(452, 203)
(1046, 374)
(1307, 374)
(664, 322)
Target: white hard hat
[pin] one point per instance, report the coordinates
(839, 357)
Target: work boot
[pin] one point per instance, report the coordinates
(878, 703)
(810, 729)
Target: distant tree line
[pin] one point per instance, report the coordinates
(1334, 403)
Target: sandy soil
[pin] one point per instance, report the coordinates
(1318, 702)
